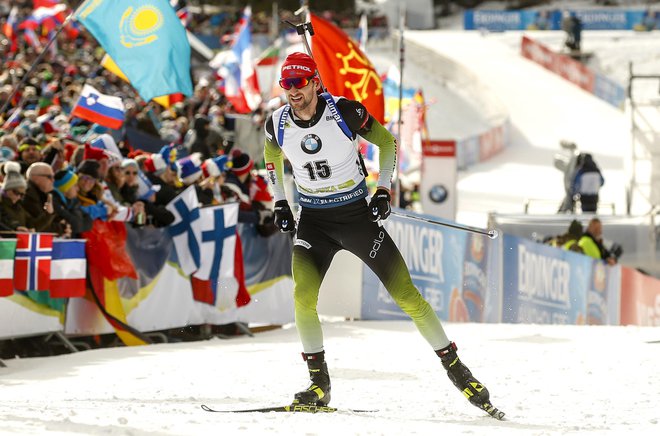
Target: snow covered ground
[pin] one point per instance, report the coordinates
(550, 380)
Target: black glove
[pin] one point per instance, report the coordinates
(284, 217)
(379, 206)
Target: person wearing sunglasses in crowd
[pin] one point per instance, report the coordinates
(14, 216)
(317, 133)
(38, 201)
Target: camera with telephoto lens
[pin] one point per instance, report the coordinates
(616, 251)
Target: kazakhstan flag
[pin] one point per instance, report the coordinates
(145, 39)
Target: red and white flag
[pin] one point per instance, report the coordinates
(32, 261)
(236, 67)
(68, 269)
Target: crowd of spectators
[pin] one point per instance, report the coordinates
(54, 179)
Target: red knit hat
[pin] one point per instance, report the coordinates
(93, 153)
(242, 163)
(298, 65)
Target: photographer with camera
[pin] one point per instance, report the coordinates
(592, 243)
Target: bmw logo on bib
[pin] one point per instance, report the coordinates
(311, 144)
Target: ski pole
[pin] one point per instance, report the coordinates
(492, 234)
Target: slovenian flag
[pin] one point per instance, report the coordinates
(99, 108)
(68, 268)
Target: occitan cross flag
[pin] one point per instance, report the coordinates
(344, 69)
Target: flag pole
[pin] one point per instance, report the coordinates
(301, 29)
(397, 187)
(36, 62)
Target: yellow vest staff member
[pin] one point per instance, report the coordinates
(592, 242)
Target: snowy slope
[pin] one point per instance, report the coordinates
(544, 109)
(551, 380)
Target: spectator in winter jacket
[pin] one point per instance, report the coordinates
(587, 182)
(201, 132)
(14, 216)
(251, 190)
(66, 203)
(38, 199)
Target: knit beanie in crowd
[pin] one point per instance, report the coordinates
(158, 162)
(94, 153)
(241, 162)
(13, 177)
(129, 163)
(64, 180)
(90, 168)
(215, 166)
(189, 169)
(298, 65)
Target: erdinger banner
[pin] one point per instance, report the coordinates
(454, 271)
(438, 179)
(543, 285)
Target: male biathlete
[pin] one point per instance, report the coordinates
(317, 133)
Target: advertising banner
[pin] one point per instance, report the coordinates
(592, 19)
(575, 72)
(438, 179)
(568, 68)
(603, 299)
(543, 285)
(457, 272)
(640, 298)
(21, 316)
(499, 21)
(481, 298)
(434, 255)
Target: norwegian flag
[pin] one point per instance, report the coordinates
(32, 261)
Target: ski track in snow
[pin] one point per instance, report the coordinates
(550, 380)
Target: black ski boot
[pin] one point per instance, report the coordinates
(460, 375)
(318, 393)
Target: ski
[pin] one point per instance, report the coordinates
(290, 408)
(493, 411)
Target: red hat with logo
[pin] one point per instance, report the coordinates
(298, 65)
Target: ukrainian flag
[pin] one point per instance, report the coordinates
(145, 39)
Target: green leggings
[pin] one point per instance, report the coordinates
(321, 234)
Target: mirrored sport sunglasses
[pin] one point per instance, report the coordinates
(296, 82)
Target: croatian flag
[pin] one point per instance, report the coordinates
(99, 108)
(236, 68)
(68, 269)
(32, 261)
(185, 229)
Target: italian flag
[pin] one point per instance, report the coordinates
(7, 252)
